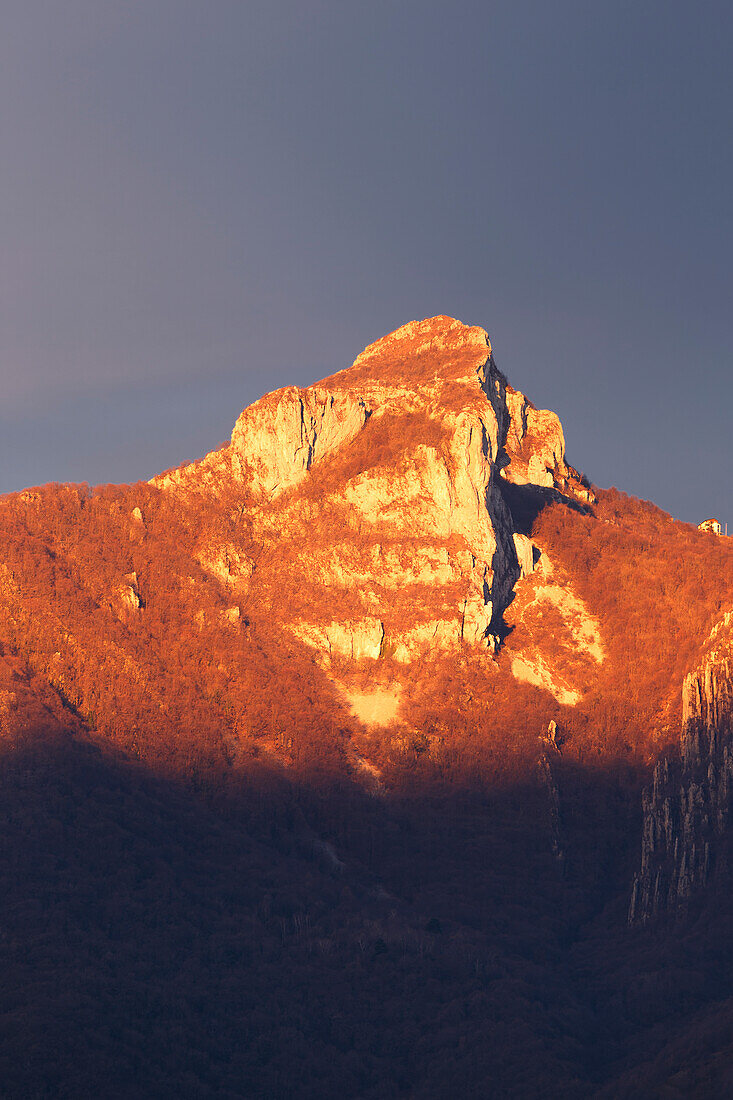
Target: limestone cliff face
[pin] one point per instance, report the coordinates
(278, 439)
(535, 446)
(374, 496)
(686, 809)
(577, 647)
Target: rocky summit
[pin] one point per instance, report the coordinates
(378, 754)
(376, 496)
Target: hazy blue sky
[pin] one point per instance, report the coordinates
(203, 201)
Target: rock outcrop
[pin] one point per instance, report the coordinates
(279, 438)
(127, 599)
(349, 639)
(535, 447)
(686, 808)
(525, 554)
(547, 608)
(547, 781)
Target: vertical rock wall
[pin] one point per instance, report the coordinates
(687, 806)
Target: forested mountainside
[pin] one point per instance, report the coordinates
(351, 760)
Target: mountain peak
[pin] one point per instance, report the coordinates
(417, 338)
(379, 495)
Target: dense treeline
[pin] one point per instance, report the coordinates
(201, 897)
(657, 587)
(156, 945)
(200, 675)
(174, 681)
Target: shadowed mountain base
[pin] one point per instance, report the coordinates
(157, 944)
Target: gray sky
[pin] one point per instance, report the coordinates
(203, 201)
